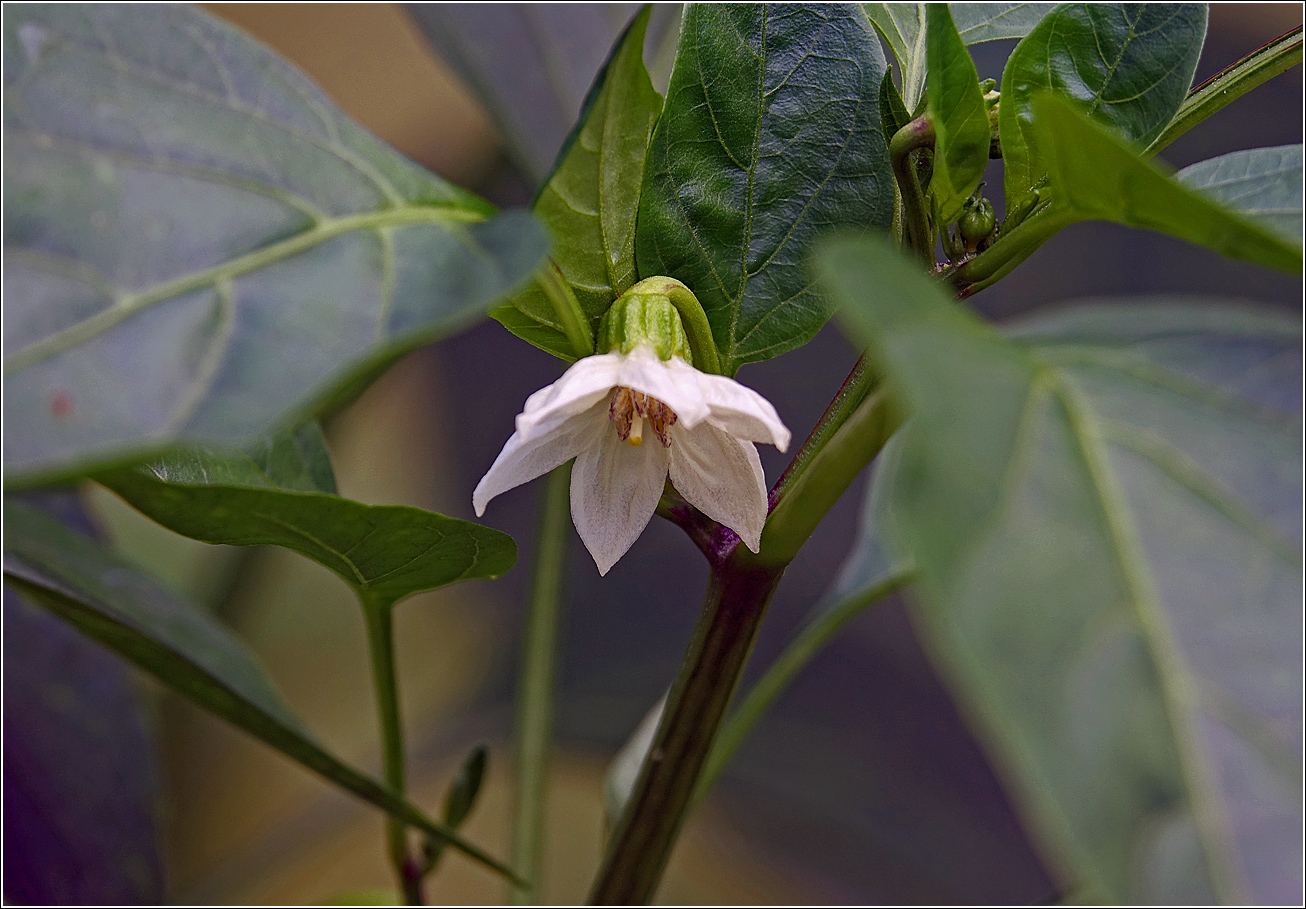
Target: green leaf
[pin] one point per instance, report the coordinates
(590, 201)
(771, 135)
(1264, 185)
(1105, 516)
(131, 614)
(1094, 175)
(980, 22)
(200, 246)
(384, 552)
(961, 120)
(903, 27)
(1129, 65)
(530, 64)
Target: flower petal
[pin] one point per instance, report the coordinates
(524, 459)
(673, 382)
(742, 412)
(721, 476)
(614, 490)
(585, 383)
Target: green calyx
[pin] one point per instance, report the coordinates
(641, 316)
(644, 318)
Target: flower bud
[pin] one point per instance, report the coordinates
(644, 318)
(977, 222)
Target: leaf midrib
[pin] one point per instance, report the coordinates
(230, 270)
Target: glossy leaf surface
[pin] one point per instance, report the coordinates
(131, 614)
(1264, 185)
(1094, 175)
(961, 121)
(1105, 515)
(199, 245)
(385, 552)
(589, 202)
(1127, 65)
(770, 136)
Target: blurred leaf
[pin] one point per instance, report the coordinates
(1264, 185)
(384, 552)
(623, 772)
(1106, 520)
(961, 120)
(199, 245)
(461, 797)
(530, 64)
(128, 612)
(1128, 65)
(589, 203)
(1094, 175)
(770, 136)
(81, 783)
(980, 22)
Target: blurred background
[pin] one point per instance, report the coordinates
(863, 785)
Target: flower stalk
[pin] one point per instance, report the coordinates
(535, 697)
(380, 638)
(735, 602)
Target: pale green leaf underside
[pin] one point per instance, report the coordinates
(129, 612)
(1105, 517)
(1262, 184)
(199, 245)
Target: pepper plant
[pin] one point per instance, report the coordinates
(1095, 514)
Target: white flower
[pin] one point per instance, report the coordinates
(702, 425)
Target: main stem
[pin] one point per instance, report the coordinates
(380, 637)
(535, 697)
(736, 600)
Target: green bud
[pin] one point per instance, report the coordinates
(977, 222)
(644, 318)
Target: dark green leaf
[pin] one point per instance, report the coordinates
(131, 614)
(771, 136)
(893, 112)
(590, 201)
(980, 22)
(1264, 185)
(1094, 175)
(1128, 64)
(1105, 516)
(961, 120)
(385, 552)
(199, 245)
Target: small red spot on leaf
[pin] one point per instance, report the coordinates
(60, 404)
